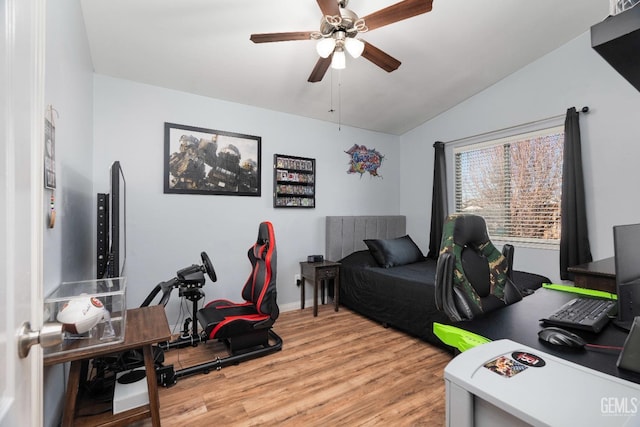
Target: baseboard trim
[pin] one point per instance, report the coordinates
(290, 306)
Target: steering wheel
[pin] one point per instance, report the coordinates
(208, 267)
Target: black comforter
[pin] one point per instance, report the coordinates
(402, 297)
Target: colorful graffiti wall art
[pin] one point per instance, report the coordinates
(363, 160)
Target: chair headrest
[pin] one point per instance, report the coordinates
(265, 239)
(470, 230)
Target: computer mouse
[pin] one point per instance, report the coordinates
(559, 336)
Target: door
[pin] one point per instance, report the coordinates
(21, 205)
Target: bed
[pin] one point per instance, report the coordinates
(384, 278)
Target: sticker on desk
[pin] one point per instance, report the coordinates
(528, 359)
(505, 366)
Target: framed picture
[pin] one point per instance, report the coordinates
(208, 161)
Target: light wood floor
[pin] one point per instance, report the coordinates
(334, 369)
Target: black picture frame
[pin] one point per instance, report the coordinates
(209, 161)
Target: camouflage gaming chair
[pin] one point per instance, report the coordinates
(472, 276)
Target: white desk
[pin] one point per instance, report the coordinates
(560, 393)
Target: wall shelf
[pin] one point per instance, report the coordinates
(294, 182)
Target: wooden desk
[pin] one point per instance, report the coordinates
(600, 275)
(317, 273)
(144, 326)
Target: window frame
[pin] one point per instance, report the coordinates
(552, 124)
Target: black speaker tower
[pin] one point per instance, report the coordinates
(102, 237)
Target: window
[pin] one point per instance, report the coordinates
(618, 6)
(515, 183)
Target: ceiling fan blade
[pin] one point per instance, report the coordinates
(381, 59)
(280, 37)
(320, 69)
(329, 7)
(397, 12)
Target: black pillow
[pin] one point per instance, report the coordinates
(394, 252)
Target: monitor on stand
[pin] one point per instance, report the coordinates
(626, 242)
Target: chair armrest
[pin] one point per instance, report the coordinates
(444, 277)
(511, 293)
(444, 286)
(508, 251)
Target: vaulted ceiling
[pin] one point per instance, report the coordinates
(449, 54)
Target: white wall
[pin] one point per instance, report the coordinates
(573, 75)
(166, 232)
(69, 88)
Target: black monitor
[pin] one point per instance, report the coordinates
(626, 242)
(111, 230)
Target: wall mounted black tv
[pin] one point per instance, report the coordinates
(626, 242)
(111, 232)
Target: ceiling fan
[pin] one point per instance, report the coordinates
(338, 30)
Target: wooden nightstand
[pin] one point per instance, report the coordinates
(317, 273)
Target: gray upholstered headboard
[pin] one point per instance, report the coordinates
(345, 234)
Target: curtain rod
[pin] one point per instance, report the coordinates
(584, 109)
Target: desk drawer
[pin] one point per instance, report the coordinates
(326, 273)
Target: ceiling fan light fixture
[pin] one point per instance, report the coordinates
(325, 46)
(339, 28)
(338, 61)
(354, 46)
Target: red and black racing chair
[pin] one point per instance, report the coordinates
(247, 324)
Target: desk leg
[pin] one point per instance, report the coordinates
(302, 293)
(315, 297)
(336, 290)
(152, 385)
(71, 396)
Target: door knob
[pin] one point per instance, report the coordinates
(50, 335)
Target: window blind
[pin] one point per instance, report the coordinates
(514, 183)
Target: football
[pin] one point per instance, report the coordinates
(80, 314)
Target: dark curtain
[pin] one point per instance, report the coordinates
(574, 236)
(438, 200)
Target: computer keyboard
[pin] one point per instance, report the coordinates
(590, 314)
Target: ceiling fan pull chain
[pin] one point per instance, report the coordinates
(339, 100)
(331, 110)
